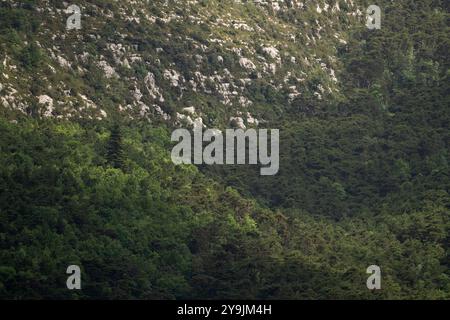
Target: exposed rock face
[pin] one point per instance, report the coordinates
(272, 52)
(107, 69)
(47, 102)
(237, 122)
(247, 64)
(190, 110)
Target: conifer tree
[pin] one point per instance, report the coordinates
(115, 154)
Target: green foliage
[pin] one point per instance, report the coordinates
(115, 154)
(30, 57)
(363, 171)
(161, 231)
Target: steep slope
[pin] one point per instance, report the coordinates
(221, 60)
(86, 176)
(384, 144)
(152, 230)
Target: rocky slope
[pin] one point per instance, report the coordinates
(364, 149)
(210, 61)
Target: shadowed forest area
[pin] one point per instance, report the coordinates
(86, 176)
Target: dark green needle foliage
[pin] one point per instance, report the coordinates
(115, 152)
(87, 179)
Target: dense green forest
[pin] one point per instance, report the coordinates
(150, 229)
(364, 160)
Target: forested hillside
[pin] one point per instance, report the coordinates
(149, 229)
(86, 176)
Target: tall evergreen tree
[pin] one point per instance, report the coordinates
(115, 154)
